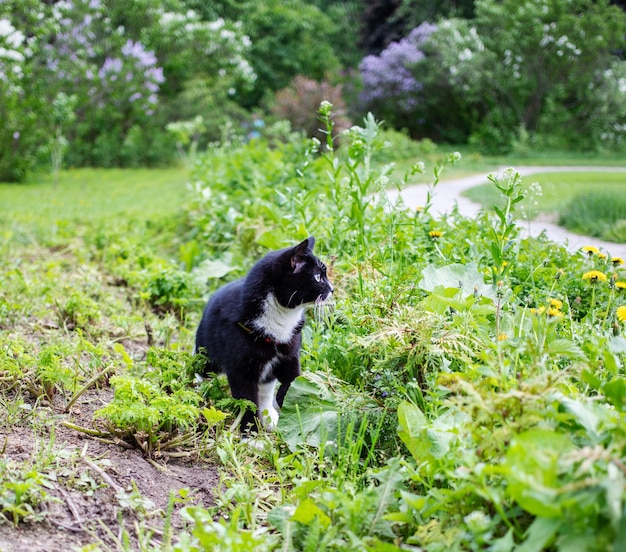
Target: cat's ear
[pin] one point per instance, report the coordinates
(299, 254)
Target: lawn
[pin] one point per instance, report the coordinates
(556, 189)
(95, 195)
(587, 203)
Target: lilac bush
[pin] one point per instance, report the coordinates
(390, 86)
(116, 79)
(23, 111)
(129, 65)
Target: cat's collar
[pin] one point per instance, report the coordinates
(251, 331)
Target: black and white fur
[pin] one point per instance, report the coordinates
(251, 328)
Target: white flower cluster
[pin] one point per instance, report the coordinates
(11, 51)
(514, 62)
(217, 39)
(563, 44)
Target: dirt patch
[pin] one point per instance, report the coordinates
(93, 484)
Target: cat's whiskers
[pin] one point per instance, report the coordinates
(322, 306)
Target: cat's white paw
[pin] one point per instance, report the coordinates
(269, 417)
(267, 412)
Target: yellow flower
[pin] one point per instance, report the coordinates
(540, 310)
(419, 208)
(502, 337)
(555, 303)
(555, 312)
(617, 261)
(590, 249)
(594, 276)
(621, 313)
(435, 234)
(620, 285)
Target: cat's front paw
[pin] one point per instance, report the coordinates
(269, 417)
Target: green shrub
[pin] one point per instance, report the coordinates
(298, 104)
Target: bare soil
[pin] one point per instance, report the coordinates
(83, 505)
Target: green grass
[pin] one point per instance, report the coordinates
(544, 158)
(95, 194)
(557, 189)
(473, 163)
(468, 392)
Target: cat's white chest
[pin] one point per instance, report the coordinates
(277, 321)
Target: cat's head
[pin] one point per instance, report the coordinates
(303, 279)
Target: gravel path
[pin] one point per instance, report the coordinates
(448, 193)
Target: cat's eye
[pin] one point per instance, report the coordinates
(318, 277)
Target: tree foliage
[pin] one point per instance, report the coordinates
(541, 68)
(288, 38)
(550, 72)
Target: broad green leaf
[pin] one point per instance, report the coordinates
(389, 482)
(466, 278)
(615, 392)
(280, 515)
(531, 467)
(212, 415)
(591, 379)
(424, 439)
(584, 413)
(273, 239)
(309, 415)
(565, 347)
(417, 502)
(412, 424)
(540, 534)
(307, 511)
(211, 269)
(617, 345)
(503, 544)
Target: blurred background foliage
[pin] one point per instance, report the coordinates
(497, 75)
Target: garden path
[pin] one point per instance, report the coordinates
(448, 193)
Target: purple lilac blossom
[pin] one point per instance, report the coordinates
(389, 76)
(136, 50)
(129, 75)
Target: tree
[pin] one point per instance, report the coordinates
(288, 38)
(387, 21)
(546, 69)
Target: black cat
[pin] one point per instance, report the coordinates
(251, 328)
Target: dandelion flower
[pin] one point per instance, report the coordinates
(594, 276)
(555, 303)
(590, 250)
(556, 313)
(540, 310)
(435, 234)
(620, 285)
(621, 313)
(502, 337)
(617, 261)
(601, 256)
